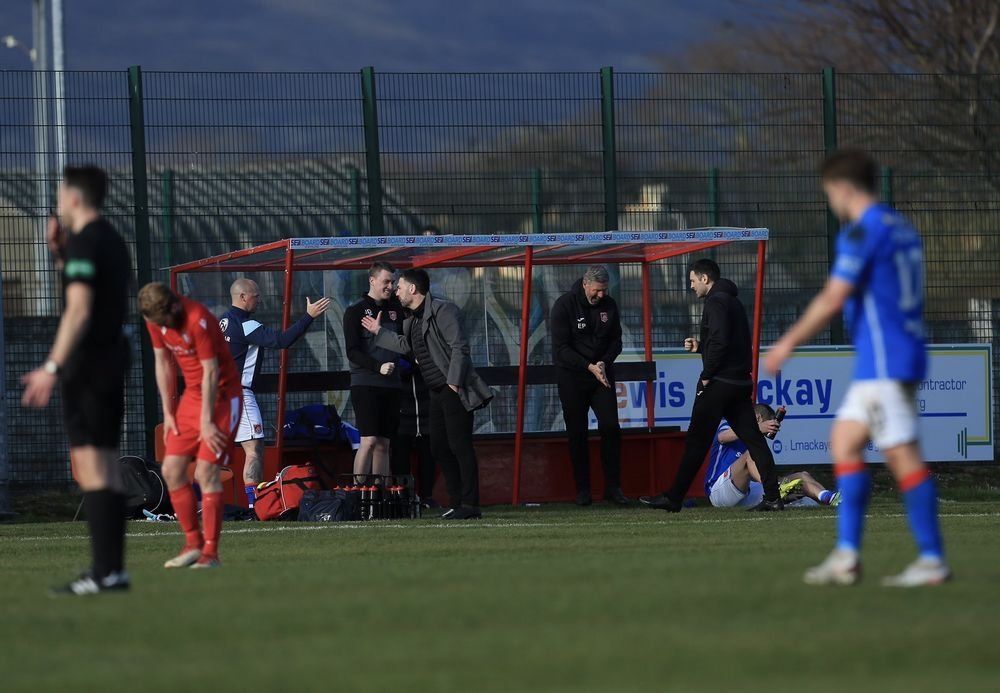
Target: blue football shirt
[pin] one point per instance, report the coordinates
(882, 257)
(722, 456)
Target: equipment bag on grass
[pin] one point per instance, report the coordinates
(280, 499)
(330, 506)
(145, 488)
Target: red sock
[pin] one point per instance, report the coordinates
(186, 509)
(211, 513)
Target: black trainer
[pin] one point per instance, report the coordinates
(661, 502)
(766, 505)
(86, 584)
(466, 512)
(583, 498)
(615, 495)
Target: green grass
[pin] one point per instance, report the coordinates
(553, 598)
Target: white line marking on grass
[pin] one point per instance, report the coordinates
(173, 530)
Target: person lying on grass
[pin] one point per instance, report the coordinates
(733, 481)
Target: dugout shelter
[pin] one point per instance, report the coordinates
(291, 259)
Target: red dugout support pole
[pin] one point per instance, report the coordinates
(522, 375)
(647, 335)
(286, 318)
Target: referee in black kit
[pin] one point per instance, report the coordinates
(725, 389)
(586, 339)
(90, 357)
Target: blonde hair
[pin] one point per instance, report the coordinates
(155, 302)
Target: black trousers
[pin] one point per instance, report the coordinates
(403, 447)
(579, 395)
(712, 403)
(451, 444)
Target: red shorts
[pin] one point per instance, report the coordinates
(187, 441)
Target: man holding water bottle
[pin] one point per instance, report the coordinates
(733, 481)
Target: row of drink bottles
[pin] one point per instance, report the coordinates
(383, 498)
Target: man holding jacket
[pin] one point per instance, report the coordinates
(433, 333)
(725, 389)
(586, 339)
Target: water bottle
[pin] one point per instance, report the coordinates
(779, 415)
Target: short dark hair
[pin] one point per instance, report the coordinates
(764, 411)
(418, 278)
(706, 267)
(430, 230)
(378, 266)
(91, 181)
(855, 166)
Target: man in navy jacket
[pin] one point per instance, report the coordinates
(246, 337)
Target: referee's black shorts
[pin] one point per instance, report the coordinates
(376, 410)
(93, 395)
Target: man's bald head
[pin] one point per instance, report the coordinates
(245, 294)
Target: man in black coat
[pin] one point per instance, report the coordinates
(586, 339)
(725, 389)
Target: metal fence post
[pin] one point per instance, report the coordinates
(885, 181)
(372, 157)
(143, 251)
(167, 200)
(536, 200)
(355, 201)
(608, 138)
(829, 145)
(713, 203)
(4, 447)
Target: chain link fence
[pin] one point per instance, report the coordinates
(211, 162)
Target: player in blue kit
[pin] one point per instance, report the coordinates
(877, 280)
(246, 337)
(733, 481)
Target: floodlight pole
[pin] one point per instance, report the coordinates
(286, 317)
(758, 310)
(522, 376)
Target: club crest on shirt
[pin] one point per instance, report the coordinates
(369, 312)
(257, 428)
(223, 324)
(604, 316)
(392, 315)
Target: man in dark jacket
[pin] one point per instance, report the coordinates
(586, 339)
(434, 335)
(375, 388)
(725, 389)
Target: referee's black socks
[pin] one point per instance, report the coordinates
(106, 518)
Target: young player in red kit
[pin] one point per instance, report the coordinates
(202, 426)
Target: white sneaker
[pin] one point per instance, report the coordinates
(840, 568)
(183, 559)
(923, 571)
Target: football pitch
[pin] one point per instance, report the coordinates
(553, 598)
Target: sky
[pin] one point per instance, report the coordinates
(391, 35)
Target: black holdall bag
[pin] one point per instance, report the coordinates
(145, 488)
(330, 506)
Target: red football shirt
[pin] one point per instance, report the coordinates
(199, 339)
